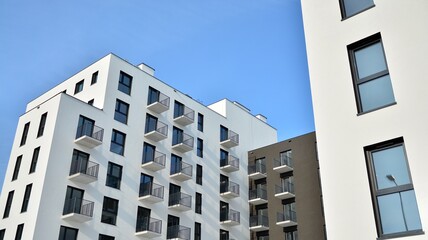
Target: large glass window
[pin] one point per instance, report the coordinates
(25, 134)
(121, 111)
(67, 233)
(34, 160)
(125, 83)
(352, 7)
(42, 124)
(372, 83)
(148, 152)
(114, 175)
(117, 142)
(26, 199)
(110, 208)
(16, 168)
(153, 96)
(178, 109)
(151, 123)
(394, 198)
(177, 136)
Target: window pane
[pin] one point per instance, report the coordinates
(354, 6)
(399, 212)
(370, 60)
(376, 93)
(390, 161)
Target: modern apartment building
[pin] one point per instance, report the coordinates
(285, 193)
(114, 153)
(366, 60)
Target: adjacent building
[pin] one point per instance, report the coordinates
(366, 63)
(114, 153)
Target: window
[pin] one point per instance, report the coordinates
(151, 123)
(197, 231)
(86, 127)
(125, 83)
(353, 7)
(94, 78)
(372, 84)
(224, 158)
(177, 136)
(110, 207)
(79, 87)
(8, 204)
(17, 167)
(200, 147)
(200, 122)
(224, 235)
(117, 142)
(153, 96)
(91, 102)
(19, 230)
(176, 164)
(143, 219)
(105, 237)
(393, 195)
(26, 199)
(224, 133)
(67, 233)
(198, 174)
(114, 175)
(198, 203)
(2, 232)
(42, 124)
(291, 235)
(25, 134)
(34, 160)
(121, 111)
(178, 109)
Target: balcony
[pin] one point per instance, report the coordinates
(181, 171)
(178, 232)
(151, 192)
(258, 196)
(230, 218)
(259, 223)
(285, 164)
(83, 171)
(183, 144)
(158, 133)
(229, 164)
(148, 227)
(257, 171)
(229, 189)
(231, 140)
(285, 192)
(185, 117)
(78, 210)
(155, 163)
(89, 135)
(160, 105)
(286, 219)
(180, 202)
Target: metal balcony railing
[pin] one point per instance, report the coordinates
(183, 168)
(283, 161)
(257, 168)
(232, 136)
(162, 99)
(79, 206)
(258, 193)
(159, 158)
(230, 160)
(286, 216)
(149, 224)
(152, 189)
(160, 127)
(287, 187)
(180, 199)
(91, 131)
(259, 220)
(178, 232)
(186, 140)
(229, 186)
(187, 113)
(232, 215)
(84, 166)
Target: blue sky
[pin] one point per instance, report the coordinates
(250, 51)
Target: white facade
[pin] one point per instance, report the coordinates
(343, 132)
(44, 216)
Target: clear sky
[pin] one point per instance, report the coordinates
(250, 51)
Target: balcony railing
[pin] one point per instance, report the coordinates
(284, 191)
(154, 163)
(187, 117)
(160, 105)
(180, 201)
(77, 209)
(286, 219)
(181, 171)
(151, 192)
(284, 164)
(83, 170)
(229, 164)
(178, 232)
(232, 217)
(231, 140)
(257, 171)
(258, 196)
(259, 223)
(148, 227)
(183, 144)
(158, 132)
(89, 135)
(229, 189)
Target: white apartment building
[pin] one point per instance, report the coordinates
(114, 153)
(366, 63)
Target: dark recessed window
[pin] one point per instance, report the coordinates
(114, 175)
(91, 102)
(67, 233)
(352, 7)
(17, 167)
(8, 204)
(19, 230)
(79, 87)
(198, 231)
(372, 83)
(2, 232)
(42, 124)
(153, 96)
(198, 203)
(291, 235)
(26, 199)
(25, 134)
(177, 136)
(94, 78)
(198, 174)
(149, 151)
(117, 144)
(200, 122)
(178, 109)
(394, 199)
(110, 207)
(224, 235)
(121, 111)
(105, 237)
(200, 147)
(34, 160)
(224, 133)
(125, 83)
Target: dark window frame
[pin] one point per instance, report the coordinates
(63, 232)
(343, 10)
(200, 147)
(42, 124)
(34, 160)
(26, 199)
(119, 111)
(79, 86)
(25, 134)
(94, 78)
(114, 141)
(109, 215)
(199, 174)
(17, 168)
(110, 175)
(125, 88)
